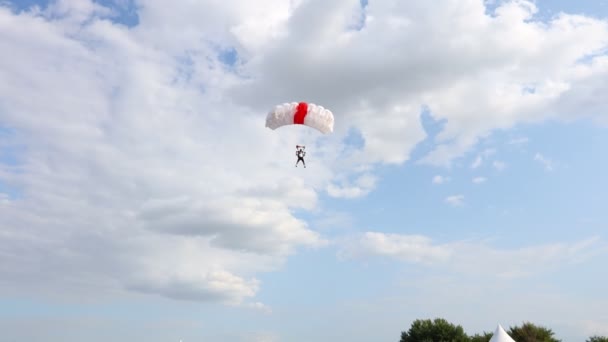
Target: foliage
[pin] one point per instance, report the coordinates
(529, 332)
(437, 330)
(597, 339)
(485, 337)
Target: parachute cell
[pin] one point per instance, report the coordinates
(302, 113)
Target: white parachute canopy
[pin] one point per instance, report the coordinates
(500, 335)
(302, 113)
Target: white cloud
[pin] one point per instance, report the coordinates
(140, 142)
(440, 179)
(479, 180)
(499, 165)
(259, 307)
(132, 178)
(361, 187)
(546, 162)
(489, 152)
(471, 257)
(477, 162)
(477, 88)
(236, 223)
(207, 286)
(519, 141)
(410, 248)
(455, 200)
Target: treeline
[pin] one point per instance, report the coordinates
(440, 330)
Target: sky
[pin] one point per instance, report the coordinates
(142, 196)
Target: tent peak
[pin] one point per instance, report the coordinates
(500, 335)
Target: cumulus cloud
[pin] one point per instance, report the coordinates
(142, 141)
(410, 248)
(477, 88)
(361, 187)
(479, 180)
(209, 286)
(499, 165)
(235, 223)
(440, 179)
(544, 161)
(477, 162)
(470, 257)
(455, 200)
(129, 156)
(519, 141)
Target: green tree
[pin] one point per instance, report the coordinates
(437, 330)
(597, 339)
(485, 337)
(529, 332)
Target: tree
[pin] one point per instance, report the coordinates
(437, 330)
(485, 337)
(597, 339)
(529, 332)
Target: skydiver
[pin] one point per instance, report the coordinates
(300, 154)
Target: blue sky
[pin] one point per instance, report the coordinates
(131, 176)
(124, 12)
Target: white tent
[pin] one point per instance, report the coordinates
(500, 335)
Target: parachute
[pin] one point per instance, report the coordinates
(302, 113)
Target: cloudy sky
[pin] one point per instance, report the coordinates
(142, 197)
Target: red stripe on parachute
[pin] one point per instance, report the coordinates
(300, 114)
